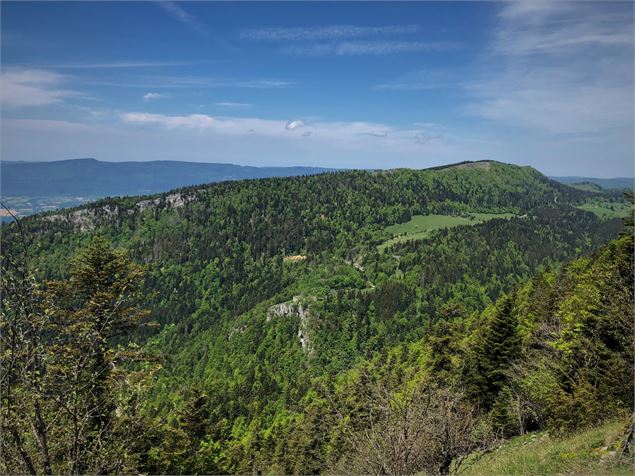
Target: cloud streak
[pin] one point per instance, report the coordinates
(330, 32)
(179, 13)
(236, 105)
(549, 80)
(351, 134)
(358, 48)
(32, 87)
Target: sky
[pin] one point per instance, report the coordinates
(334, 84)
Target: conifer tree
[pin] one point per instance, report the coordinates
(496, 346)
(68, 399)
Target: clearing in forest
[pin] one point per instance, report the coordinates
(607, 209)
(421, 226)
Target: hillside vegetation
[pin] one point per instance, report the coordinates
(593, 451)
(262, 362)
(420, 226)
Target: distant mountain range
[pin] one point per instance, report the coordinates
(606, 183)
(93, 178)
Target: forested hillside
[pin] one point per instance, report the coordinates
(293, 328)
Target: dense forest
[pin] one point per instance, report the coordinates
(260, 326)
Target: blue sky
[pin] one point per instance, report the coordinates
(375, 84)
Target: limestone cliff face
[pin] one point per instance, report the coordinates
(86, 219)
(297, 307)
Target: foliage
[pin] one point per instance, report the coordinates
(272, 365)
(592, 451)
(420, 226)
(67, 393)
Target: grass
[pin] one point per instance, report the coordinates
(588, 452)
(420, 226)
(607, 209)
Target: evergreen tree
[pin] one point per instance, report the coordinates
(76, 385)
(495, 347)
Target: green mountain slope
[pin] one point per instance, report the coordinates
(274, 303)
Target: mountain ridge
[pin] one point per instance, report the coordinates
(94, 178)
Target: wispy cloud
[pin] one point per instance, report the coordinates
(347, 134)
(150, 96)
(423, 80)
(564, 68)
(344, 40)
(199, 82)
(329, 32)
(127, 64)
(356, 48)
(32, 87)
(315, 135)
(555, 28)
(262, 84)
(236, 105)
(178, 12)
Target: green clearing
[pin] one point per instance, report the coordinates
(587, 186)
(421, 226)
(607, 210)
(587, 452)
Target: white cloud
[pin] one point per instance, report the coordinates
(150, 96)
(291, 125)
(193, 121)
(355, 48)
(178, 12)
(237, 105)
(329, 32)
(348, 134)
(32, 87)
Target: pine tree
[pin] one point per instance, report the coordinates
(75, 408)
(495, 348)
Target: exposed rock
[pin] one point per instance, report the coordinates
(294, 308)
(174, 200)
(85, 218)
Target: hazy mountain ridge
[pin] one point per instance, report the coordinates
(94, 178)
(605, 183)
